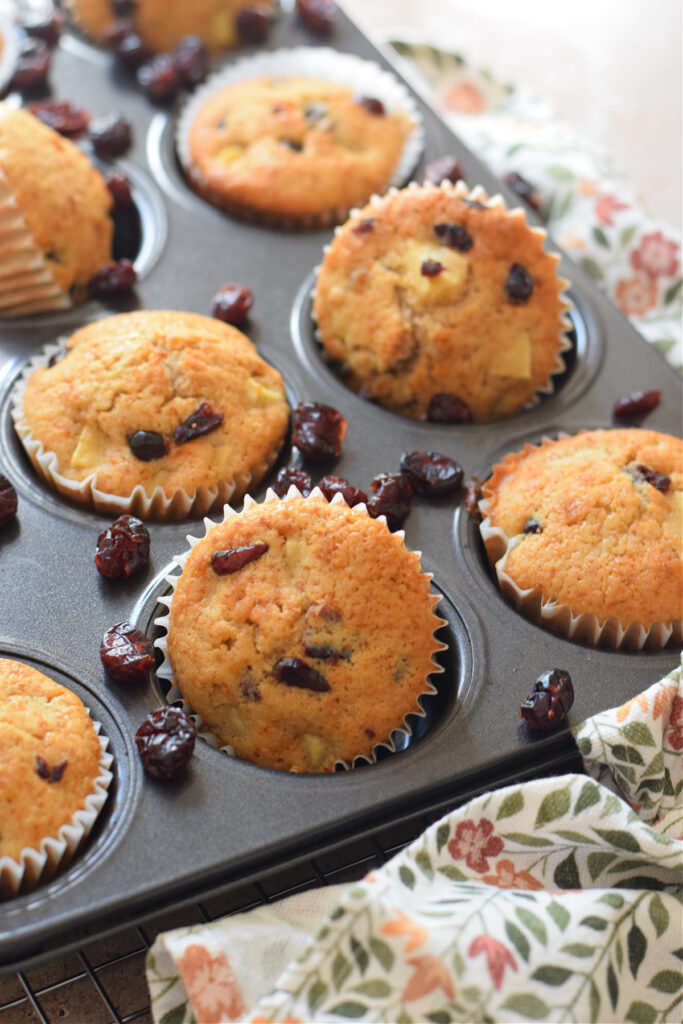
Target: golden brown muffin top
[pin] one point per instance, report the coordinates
(162, 23)
(294, 146)
(50, 757)
(607, 505)
(412, 300)
(334, 589)
(63, 199)
(151, 371)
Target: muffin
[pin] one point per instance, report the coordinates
(442, 305)
(156, 412)
(302, 632)
(585, 535)
(295, 146)
(162, 23)
(54, 774)
(55, 225)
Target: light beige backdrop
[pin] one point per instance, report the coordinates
(610, 67)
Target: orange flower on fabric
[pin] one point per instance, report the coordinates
(656, 256)
(210, 985)
(430, 973)
(606, 207)
(625, 710)
(498, 957)
(404, 926)
(465, 98)
(675, 737)
(662, 701)
(474, 843)
(636, 295)
(507, 878)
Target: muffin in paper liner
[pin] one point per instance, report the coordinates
(367, 335)
(38, 863)
(312, 750)
(55, 217)
(325, 66)
(571, 622)
(161, 502)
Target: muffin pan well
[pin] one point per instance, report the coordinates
(227, 819)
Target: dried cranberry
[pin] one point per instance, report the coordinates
(127, 653)
(111, 135)
(8, 500)
(119, 186)
(190, 60)
(364, 226)
(123, 548)
(119, 30)
(519, 284)
(660, 481)
(47, 25)
(314, 112)
(296, 147)
(286, 477)
(372, 105)
(122, 8)
(232, 303)
(331, 485)
(444, 408)
(115, 278)
(225, 563)
(159, 79)
(64, 118)
(57, 356)
(636, 405)
(296, 672)
(165, 743)
(147, 445)
(431, 268)
(32, 66)
(455, 236)
(472, 497)
(317, 15)
(254, 22)
(132, 51)
(532, 526)
(392, 497)
(430, 473)
(53, 774)
(550, 700)
(445, 168)
(202, 421)
(522, 188)
(318, 431)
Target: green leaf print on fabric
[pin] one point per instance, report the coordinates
(588, 797)
(597, 862)
(551, 975)
(566, 874)
(518, 940)
(580, 949)
(659, 915)
(637, 948)
(559, 914)
(350, 1009)
(176, 1015)
(443, 833)
(667, 981)
(622, 840)
(638, 733)
(553, 806)
(376, 988)
(641, 1013)
(382, 952)
(406, 876)
(341, 969)
(424, 863)
(359, 955)
(612, 986)
(316, 995)
(533, 923)
(526, 1004)
(512, 804)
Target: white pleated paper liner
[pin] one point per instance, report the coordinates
(35, 866)
(156, 505)
(364, 77)
(460, 190)
(581, 627)
(399, 736)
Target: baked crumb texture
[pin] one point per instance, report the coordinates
(150, 371)
(55, 225)
(406, 335)
(336, 589)
(53, 773)
(163, 23)
(290, 150)
(606, 565)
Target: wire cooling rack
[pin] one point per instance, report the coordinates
(104, 982)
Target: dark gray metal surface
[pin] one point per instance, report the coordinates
(229, 820)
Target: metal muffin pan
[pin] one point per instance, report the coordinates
(229, 820)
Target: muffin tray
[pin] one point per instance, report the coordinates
(228, 820)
